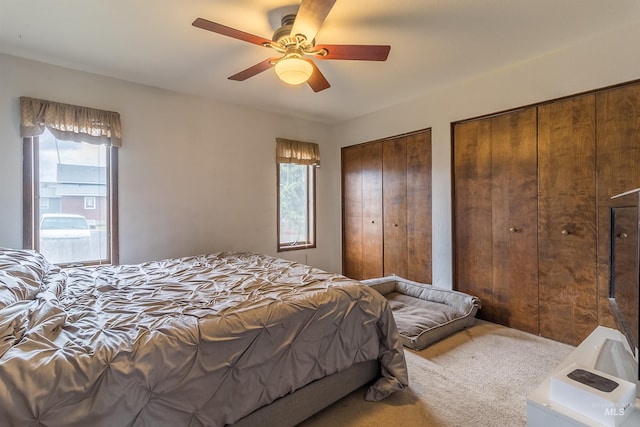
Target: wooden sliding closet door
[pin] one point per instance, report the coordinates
(394, 182)
(372, 210)
(515, 223)
(362, 211)
(386, 189)
(618, 169)
(495, 200)
(567, 233)
(419, 214)
(352, 212)
(406, 178)
(473, 213)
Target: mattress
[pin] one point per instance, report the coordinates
(201, 340)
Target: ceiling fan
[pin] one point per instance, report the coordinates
(295, 42)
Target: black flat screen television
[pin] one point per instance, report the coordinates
(624, 277)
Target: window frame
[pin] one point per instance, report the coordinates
(311, 240)
(31, 201)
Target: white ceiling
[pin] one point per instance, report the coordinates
(434, 43)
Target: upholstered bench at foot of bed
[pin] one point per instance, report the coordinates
(424, 313)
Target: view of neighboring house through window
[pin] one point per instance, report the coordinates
(71, 187)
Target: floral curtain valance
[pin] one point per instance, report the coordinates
(302, 153)
(69, 122)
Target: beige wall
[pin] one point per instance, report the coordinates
(609, 59)
(183, 189)
(195, 175)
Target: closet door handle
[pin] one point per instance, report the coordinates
(622, 235)
(565, 232)
(513, 230)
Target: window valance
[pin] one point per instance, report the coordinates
(302, 153)
(69, 122)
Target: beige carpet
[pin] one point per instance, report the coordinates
(478, 377)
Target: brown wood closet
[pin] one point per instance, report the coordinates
(532, 195)
(386, 208)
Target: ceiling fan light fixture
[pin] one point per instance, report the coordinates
(293, 70)
(294, 40)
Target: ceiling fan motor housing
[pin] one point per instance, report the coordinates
(287, 40)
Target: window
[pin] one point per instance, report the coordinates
(296, 206)
(90, 202)
(296, 173)
(71, 226)
(70, 183)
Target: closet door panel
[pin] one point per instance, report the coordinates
(372, 265)
(352, 215)
(473, 213)
(394, 196)
(618, 148)
(567, 219)
(514, 219)
(386, 203)
(419, 207)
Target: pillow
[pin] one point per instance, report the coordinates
(21, 274)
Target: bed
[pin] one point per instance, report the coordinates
(211, 340)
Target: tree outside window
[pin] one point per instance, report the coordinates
(296, 168)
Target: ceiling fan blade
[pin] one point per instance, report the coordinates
(317, 81)
(354, 52)
(310, 17)
(229, 32)
(252, 71)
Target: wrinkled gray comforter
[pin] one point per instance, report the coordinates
(183, 342)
